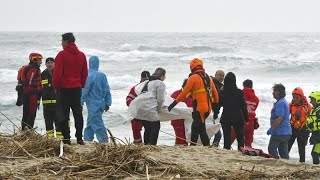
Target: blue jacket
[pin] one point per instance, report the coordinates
(96, 93)
(281, 108)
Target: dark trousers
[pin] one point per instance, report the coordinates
(238, 128)
(29, 110)
(69, 98)
(302, 136)
(199, 128)
(217, 138)
(49, 114)
(151, 132)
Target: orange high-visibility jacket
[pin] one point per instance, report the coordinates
(196, 88)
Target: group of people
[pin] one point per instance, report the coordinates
(207, 94)
(65, 84)
(204, 94)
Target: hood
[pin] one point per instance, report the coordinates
(72, 48)
(248, 92)
(93, 63)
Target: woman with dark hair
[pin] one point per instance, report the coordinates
(280, 129)
(234, 111)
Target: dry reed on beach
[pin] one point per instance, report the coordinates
(28, 143)
(114, 161)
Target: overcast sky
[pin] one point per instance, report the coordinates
(160, 15)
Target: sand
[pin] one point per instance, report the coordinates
(165, 162)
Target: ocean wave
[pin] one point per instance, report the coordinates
(174, 49)
(8, 100)
(8, 75)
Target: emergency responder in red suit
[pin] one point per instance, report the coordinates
(178, 124)
(136, 125)
(30, 77)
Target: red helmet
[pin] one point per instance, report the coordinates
(35, 56)
(298, 90)
(195, 63)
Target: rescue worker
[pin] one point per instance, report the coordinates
(30, 77)
(178, 124)
(96, 94)
(148, 103)
(280, 129)
(136, 124)
(217, 80)
(314, 126)
(299, 110)
(234, 111)
(69, 77)
(205, 99)
(49, 100)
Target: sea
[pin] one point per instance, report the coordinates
(266, 58)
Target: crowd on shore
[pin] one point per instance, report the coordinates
(67, 83)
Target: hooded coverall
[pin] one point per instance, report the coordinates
(96, 94)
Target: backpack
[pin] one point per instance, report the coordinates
(22, 73)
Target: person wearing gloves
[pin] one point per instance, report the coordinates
(146, 106)
(314, 126)
(205, 99)
(299, 110)
(96, 94)
(280, 129)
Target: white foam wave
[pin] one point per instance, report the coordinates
(8, 100)
(8, 75)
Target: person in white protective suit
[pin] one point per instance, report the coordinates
(96, 94)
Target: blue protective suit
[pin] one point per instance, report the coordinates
(96, 94)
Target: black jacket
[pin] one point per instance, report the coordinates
(48, 93)
(234, 107)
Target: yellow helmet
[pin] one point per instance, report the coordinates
(315, 95)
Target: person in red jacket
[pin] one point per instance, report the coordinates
(252, 103)
(70, 75)
(30, 78)
(178, 124)
(136, 124)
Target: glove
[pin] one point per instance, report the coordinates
(106, 108)
(173, 104)
(256, 124)
(269, 131)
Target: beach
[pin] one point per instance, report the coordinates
(265, 58)
(121, 160)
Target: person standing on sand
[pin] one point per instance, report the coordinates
(69, 76)
(136, 124)
(148, 103)
(314, 126)
(96, 94)
(30, 78)
(217, 80)
(205, 99)
(234, 113)
(49, 100)
(280, 129)
(299, 110)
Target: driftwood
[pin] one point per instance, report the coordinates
(110, 161)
